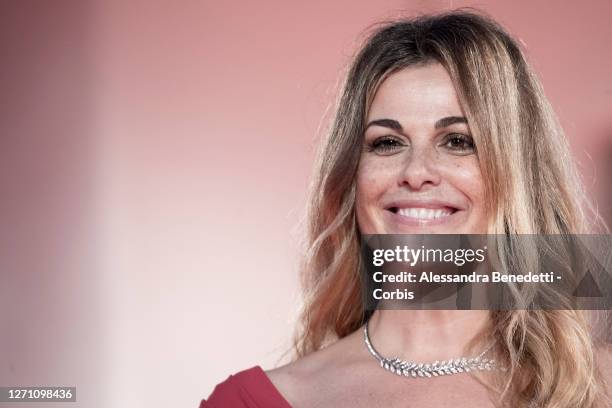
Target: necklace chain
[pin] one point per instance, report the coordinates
(435, 369)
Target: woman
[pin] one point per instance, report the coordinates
(441, 128)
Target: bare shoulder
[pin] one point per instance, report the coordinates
(291, 379)
(298, 380)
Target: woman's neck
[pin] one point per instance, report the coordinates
(426, 335)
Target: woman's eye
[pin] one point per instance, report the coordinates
(385, 145)
(460, 143)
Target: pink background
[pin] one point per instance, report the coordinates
(154, 160)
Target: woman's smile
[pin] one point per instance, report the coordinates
(421, 212)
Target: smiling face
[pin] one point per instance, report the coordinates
(419, 172)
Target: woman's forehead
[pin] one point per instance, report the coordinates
(417, 93)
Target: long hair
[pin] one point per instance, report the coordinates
(524, 159)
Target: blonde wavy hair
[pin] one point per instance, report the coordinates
(531, 187)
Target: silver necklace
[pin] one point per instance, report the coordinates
(437, 368)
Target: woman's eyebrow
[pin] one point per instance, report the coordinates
(395, 125)
(449, 120)
(388, 123)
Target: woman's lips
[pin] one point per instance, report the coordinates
(421, 214)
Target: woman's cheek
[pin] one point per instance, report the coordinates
(465, 176)
(467, 179)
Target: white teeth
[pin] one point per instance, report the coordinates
(424, 213)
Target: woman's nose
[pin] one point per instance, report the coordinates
(420, 169)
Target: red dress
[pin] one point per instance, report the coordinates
(248, 389)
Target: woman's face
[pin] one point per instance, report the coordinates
(419, 171)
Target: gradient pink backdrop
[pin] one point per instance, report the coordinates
(156, 154)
